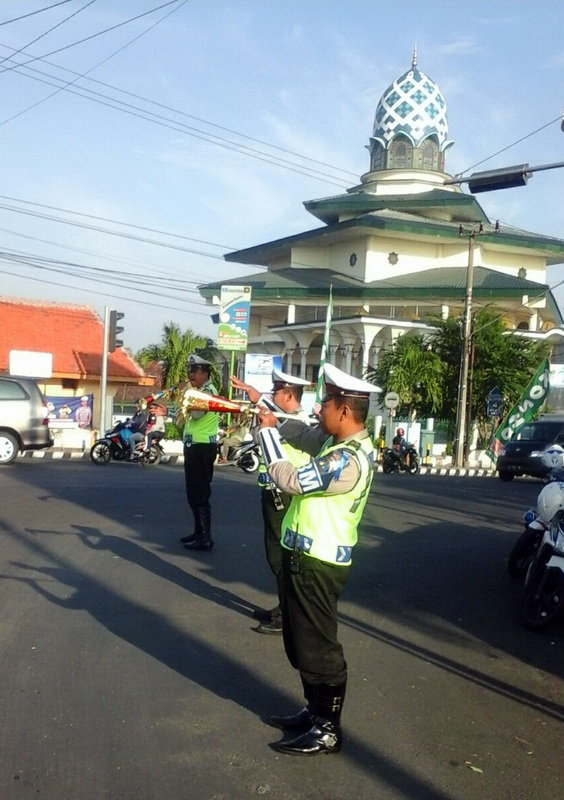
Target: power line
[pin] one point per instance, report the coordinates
(49, 30)
(33, 13)
(95, 66)
(92, 36)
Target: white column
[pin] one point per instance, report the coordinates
(291, 316)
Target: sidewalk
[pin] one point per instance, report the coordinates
(178, 460)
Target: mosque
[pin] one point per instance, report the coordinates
(395, 250)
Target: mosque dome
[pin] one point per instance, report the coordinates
(410, 126)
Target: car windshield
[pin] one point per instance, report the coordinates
(539, 432)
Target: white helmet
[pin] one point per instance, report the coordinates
(553, 457)
(550, 500)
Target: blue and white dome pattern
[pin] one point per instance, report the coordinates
(412, 105)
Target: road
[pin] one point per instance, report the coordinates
(130, 670)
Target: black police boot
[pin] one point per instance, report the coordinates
(302, 721)
(274, 625)
(324, 735)
(202, 540)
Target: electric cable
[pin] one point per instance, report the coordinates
(33, 13)
(50, 30)
(92, 36)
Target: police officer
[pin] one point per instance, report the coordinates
(200, 452)
(319, 532)
(286, 396)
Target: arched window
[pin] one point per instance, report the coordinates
(401, 154)
(430, 155)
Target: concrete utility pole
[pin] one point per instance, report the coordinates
(462, 404)
(104, 372)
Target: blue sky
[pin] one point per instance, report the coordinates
(300, 75)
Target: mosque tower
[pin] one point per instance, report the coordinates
(410, 136)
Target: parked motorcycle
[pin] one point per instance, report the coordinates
(244, 455)
(543, 602)
(112, 448)
(526, 546)
(408, 461)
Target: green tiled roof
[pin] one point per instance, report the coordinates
(394, 222)
(462, 207)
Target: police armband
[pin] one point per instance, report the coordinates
(271, 445)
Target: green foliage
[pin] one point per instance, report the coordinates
(425, 370)
(173, 350)
(412, 370)
(172, 431)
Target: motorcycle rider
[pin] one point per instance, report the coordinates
(399, 445)
(234, 436)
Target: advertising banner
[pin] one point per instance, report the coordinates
(523, 411)
(258, 370)
(234, 314)
(70, 411)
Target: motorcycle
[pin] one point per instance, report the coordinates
(244, 455)
(112, 448)
(526, 546)
(543, 601)
(408, 461)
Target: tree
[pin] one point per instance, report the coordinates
(499, 358)
(173, 350)
(412, 370)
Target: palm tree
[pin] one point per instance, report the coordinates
(412, 370)
(173, 351)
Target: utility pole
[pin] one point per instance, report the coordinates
(462, 404)
(104, 372)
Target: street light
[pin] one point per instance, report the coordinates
(504, 178)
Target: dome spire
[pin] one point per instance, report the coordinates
(414, 58)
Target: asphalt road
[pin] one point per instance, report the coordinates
(130, 671)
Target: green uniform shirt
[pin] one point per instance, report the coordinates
(201, 428)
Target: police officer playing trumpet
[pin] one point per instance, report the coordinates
(318, 535)
(200, 452)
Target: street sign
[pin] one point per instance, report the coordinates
(391, 400)
(494, 403)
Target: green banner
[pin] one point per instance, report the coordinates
(523, 411)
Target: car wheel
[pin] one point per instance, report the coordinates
(505, 476)
(9, 448)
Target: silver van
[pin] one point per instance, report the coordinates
(23, 418)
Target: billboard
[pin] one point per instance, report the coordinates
(258, 370)
(234, 314)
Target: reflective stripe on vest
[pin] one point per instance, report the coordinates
(296, 457)
(324, 526)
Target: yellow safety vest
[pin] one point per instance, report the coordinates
(324, 526)
(296, 457)
(204, 429)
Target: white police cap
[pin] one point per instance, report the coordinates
(287, 380)
(340, 383)
(197, 361)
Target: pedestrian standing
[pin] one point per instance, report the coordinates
(200, 452)
(319, 532)
(286, 396)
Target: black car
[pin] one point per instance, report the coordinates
(522, 455)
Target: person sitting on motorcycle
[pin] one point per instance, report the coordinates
(155, 424)
(234, 436)
(399, 445)
(138, 426)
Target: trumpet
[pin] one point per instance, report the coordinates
(194, 400)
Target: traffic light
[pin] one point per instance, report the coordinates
(114, 331)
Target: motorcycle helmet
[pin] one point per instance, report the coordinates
(550, 501)
(400, 432)
(553, 457)
(152, 418)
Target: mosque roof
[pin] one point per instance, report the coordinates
(412, 105)
(459, 206)
(448, 283)
(395, 222)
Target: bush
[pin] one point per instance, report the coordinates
(172, 431)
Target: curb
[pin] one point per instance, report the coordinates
(173, 461)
